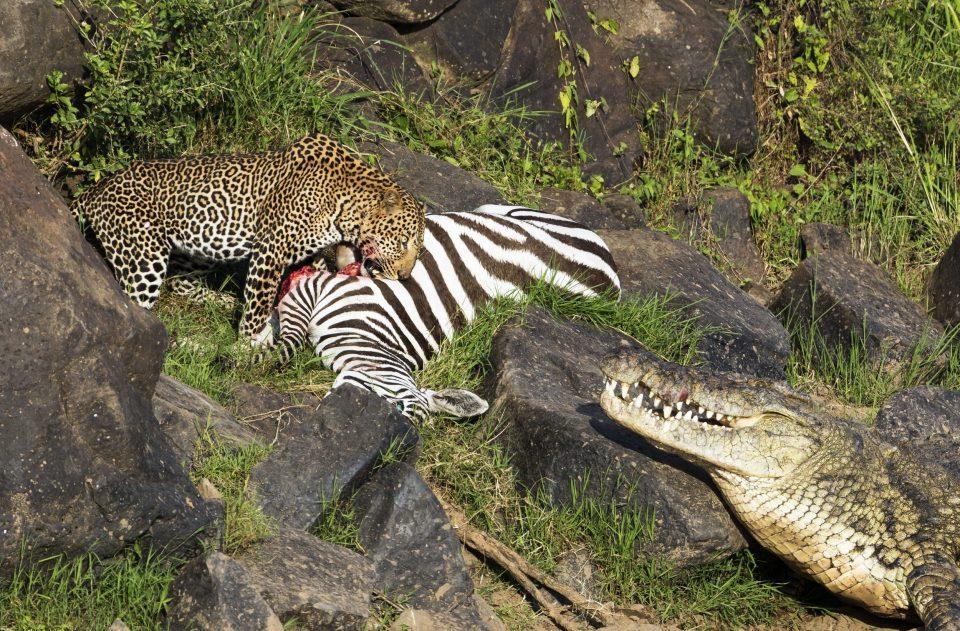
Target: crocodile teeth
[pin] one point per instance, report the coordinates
(668, 426)
(700, 410)
(657, 402)
(667, 411)
(679, 405)
(689, 415)
(611, 387)
(719, 417)
(709, 413)
(638, 401)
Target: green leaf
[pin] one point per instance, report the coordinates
(634, 68)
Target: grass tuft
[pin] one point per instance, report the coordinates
(87, 593)
(228, 467)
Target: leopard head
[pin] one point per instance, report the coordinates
(391, 236)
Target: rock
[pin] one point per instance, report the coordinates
(626, 209)
(945, 286)
(215, 592)
(453, 41)
(184, 412)
(437, 183)
(849, 298)
(728, 234)
(510, 48)
(119, 625)
(86, 466)
(691, 55)
(38, 38)
(425, 620)
(821, 237)
(321, 585)
(579, 207)
(327, 449)
(396, 11)
(750, 340)
(405, 532)
(371, 53)
(576, 569)
(546, 380)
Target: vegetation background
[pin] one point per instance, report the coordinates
(859, 112)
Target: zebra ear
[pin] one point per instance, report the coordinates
(457, 402)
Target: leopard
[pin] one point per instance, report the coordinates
(179, 217)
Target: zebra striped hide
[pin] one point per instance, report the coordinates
(374, 333)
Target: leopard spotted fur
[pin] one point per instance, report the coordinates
(274, 209)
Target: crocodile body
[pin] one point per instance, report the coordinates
(826, 494)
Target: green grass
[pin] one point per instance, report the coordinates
(204, 354)
(228, 468)
(86, 593)
(855, 376)
(338, 522)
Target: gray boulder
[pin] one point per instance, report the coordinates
(746, 338)
(510, 49)
(370, 52)
(184, 412)
(850, 299)
(440, 185)
(405, 532)
(215, 592)
(85, 465)
(725, 227)
(38, 37)
(694, 57)
(319, 584)
(546, 380)
(945, 286)
(324, 448)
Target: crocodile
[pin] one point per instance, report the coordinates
(827, 494)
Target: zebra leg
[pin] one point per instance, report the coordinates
(411, 402)
(456, 402)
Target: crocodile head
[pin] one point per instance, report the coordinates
(727, 423)
(824, 493)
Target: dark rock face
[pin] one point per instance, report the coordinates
(328, 446)
(945, 286)
(215, 592)
(438, 184)
(529, 58)
(751, 341)
(579, 207)
(626, 209)
(728, 231)
(370, 52)
(322, 585)
(454, 39)
(396, 11)
(183, 412)
(38, 38)
(405, 532)
(849, 297)
(85, 465)
(820, 237)
(509, 48)
(691, 56)
(546, 379)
